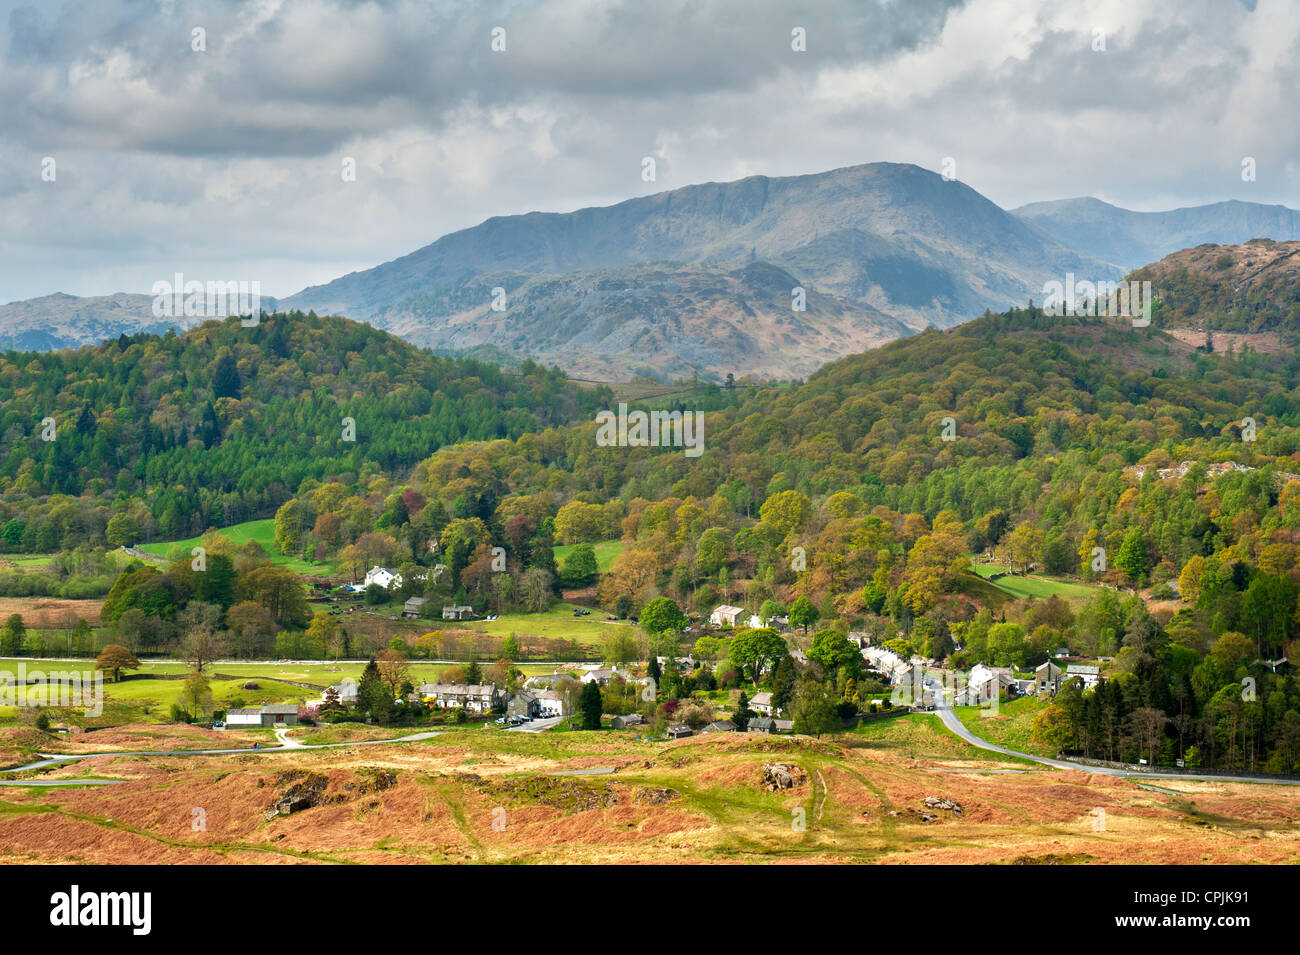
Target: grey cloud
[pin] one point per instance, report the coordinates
(231, 157)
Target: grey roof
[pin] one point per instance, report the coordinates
(1089, 669)
(243, 712)
(761, 722)
(720, 726)
(475, 689)
(280, 708)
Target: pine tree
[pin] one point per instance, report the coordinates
(591, 706)
(372, 695)
(743, 713)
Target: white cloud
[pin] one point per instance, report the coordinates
(229, 159)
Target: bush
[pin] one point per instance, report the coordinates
(43, 722)
(178, 714)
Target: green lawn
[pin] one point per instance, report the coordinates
(921, 735)
(558, 622)
(263, 532)
(1020, 586)
(1012, 727)
(606, 551)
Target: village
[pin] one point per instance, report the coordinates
(634, 695)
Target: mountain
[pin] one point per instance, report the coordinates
(654, 322)
(884, 247)
(1253, 287)
(67, 321)
(700, 279)
(1130, 239)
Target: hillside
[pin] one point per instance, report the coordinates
(484, 797)
(1129, 239)
(222, 423)
(66, 321)
(652, 322)
(1253, 287)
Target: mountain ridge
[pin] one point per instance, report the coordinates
(657, 284)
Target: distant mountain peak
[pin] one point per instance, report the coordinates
(662, 284)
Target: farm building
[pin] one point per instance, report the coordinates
(266, 715)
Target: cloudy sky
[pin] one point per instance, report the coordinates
(226, 161)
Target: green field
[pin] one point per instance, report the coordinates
(1012, 727)
(1019, 586)
(263, 532)
(606, 551)
(558, 622)
(922, 735)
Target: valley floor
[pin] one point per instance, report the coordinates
(896, 791)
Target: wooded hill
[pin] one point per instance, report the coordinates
(223, 423)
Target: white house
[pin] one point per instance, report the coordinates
(602, 675)
(762, 703)
(383, 576)
(726, 616)
(476, 698)
(1089, 673)
(986, 683)
(889, 663)
(542, 703)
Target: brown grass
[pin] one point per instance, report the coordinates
(51, 612)
(491, 797)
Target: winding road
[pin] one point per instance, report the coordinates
(954, 724)
(281, 735)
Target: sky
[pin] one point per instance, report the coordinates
(211, 138)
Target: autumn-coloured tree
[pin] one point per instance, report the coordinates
(394, 669)
(115, 658)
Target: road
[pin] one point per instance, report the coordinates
(536, 726)
(955, 725)
(53, 759)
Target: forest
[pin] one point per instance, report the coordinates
(172, 434)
